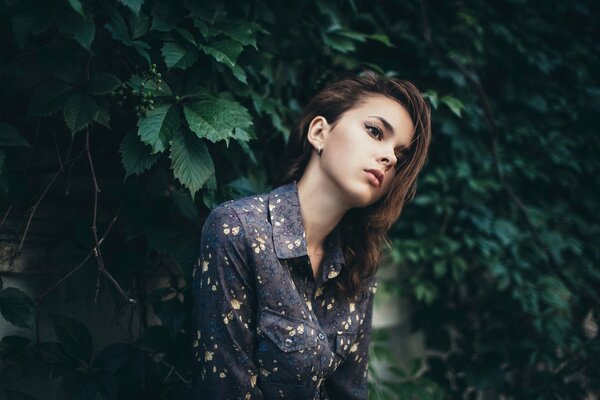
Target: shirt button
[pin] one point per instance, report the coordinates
(288, 342)
(321, 336)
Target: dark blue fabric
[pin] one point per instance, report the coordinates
(263, 327)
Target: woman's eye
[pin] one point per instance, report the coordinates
(374, 130)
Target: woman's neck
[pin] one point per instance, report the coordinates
(321, 209)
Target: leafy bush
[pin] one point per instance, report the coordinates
(168, 108)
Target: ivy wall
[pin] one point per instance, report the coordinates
(124, 122)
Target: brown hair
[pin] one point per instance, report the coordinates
(363, 230)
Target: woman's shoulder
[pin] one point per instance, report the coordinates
(245, 204)
(237, 211)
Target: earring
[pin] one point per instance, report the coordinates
(319, 152)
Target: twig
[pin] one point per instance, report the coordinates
(37, 326)
(71, 164)
(60, 164)
(15, 254)
(6, 214)
(141, 294)
(130, 324)
(35, 139)
(97, 252)
(87, 257)
(172, 370)
(61, 280)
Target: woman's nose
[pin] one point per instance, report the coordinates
(388, 160)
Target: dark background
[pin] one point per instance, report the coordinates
(123, 122)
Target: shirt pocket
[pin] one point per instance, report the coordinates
(288, 350)
(345, 344)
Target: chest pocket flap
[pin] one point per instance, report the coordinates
(288, 333)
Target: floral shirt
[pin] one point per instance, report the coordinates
(263, 327)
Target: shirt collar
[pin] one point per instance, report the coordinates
(289, 237)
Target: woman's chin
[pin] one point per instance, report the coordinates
(363, 195)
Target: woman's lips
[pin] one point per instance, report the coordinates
(373, 178)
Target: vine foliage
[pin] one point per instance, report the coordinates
(139, 116)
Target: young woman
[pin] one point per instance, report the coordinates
(284, 284)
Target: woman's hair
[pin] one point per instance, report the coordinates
(363, 230)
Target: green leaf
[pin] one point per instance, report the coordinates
(432, 96)
(16, 307)
(380, 37)
(356, 36)
(74, 336)
(425, 291)
(134, 5)
(79, 111)
(162, 18)
(216, 119)
(103, 115)
(56, 354)
(178, 57)
(439, 268)
(187, 35)
(139, 25)
(190, 161)
(81, 27)
(48, 98)
(103, 83)
(76, 5)
(225, 51)
(459, 267)
(113, 356)
(244, 135)
(156, 128)
(107, 384)
(455, 105)
(78, 385)
(186, 206)
(208, 31)
(239, 30)
(150, 86)
(118, 29)
(209, 196)
(84, 33)
(342, 40)
(136, 156)
(239, 73)
(506, 230)
(196, 92)
(142, 49)
(414, 366)
(10, 137)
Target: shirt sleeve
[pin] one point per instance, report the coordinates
(349, 381)
(223, 318)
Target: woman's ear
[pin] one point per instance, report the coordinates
(317, 131)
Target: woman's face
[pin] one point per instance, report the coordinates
(369, 136)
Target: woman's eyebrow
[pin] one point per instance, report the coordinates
(386, 124)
